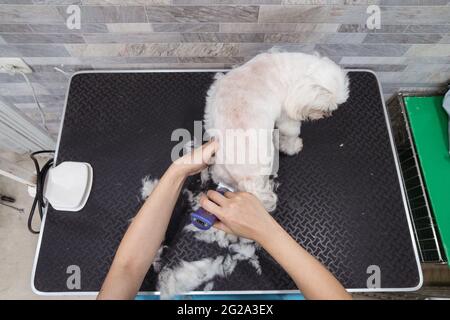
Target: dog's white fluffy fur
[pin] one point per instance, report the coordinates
(271, 90)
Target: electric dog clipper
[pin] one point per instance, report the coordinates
(201, 218)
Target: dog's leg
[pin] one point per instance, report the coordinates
(290, 143)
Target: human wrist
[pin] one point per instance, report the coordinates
(177, 172)
(267, 235)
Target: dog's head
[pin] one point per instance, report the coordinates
(317, 95)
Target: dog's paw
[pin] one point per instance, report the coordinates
(291, 145)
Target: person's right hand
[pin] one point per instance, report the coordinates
(240, 213)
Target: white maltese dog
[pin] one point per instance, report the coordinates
(273, 90)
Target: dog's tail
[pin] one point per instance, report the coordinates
(262, 188)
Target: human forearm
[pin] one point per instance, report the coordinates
(155, 216)
(143, 238)
(310, 276)
(243, 214)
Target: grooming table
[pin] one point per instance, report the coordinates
(341, 197)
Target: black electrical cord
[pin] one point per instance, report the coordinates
(39, 200)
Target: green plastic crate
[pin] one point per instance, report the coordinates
(429, 128)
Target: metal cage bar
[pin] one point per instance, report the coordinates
(424, 225)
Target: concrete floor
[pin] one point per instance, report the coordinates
(17, 244)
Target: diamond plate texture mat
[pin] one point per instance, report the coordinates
(340, 197)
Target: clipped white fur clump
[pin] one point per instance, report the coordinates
(246, 251)
(204, 176)
(157, 262)
(148, 185)
(212, 235)
(209, 286)
(189, 275)
(194, 199)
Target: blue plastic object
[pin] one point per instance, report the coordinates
(203, 219)
(280, 296)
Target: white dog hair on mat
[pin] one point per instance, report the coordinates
(212, 235)
(209, 286)
(148, 184)
(272, 90)
(157, 261)
(194, 199)
(190, 275)
(241, 248)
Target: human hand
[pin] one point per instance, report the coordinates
(240, 213)
(196, 160)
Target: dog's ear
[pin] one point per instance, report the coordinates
(306, 95)
(324, 100)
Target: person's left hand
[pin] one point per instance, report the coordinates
(196, 160)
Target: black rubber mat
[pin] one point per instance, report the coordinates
(340, 197)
